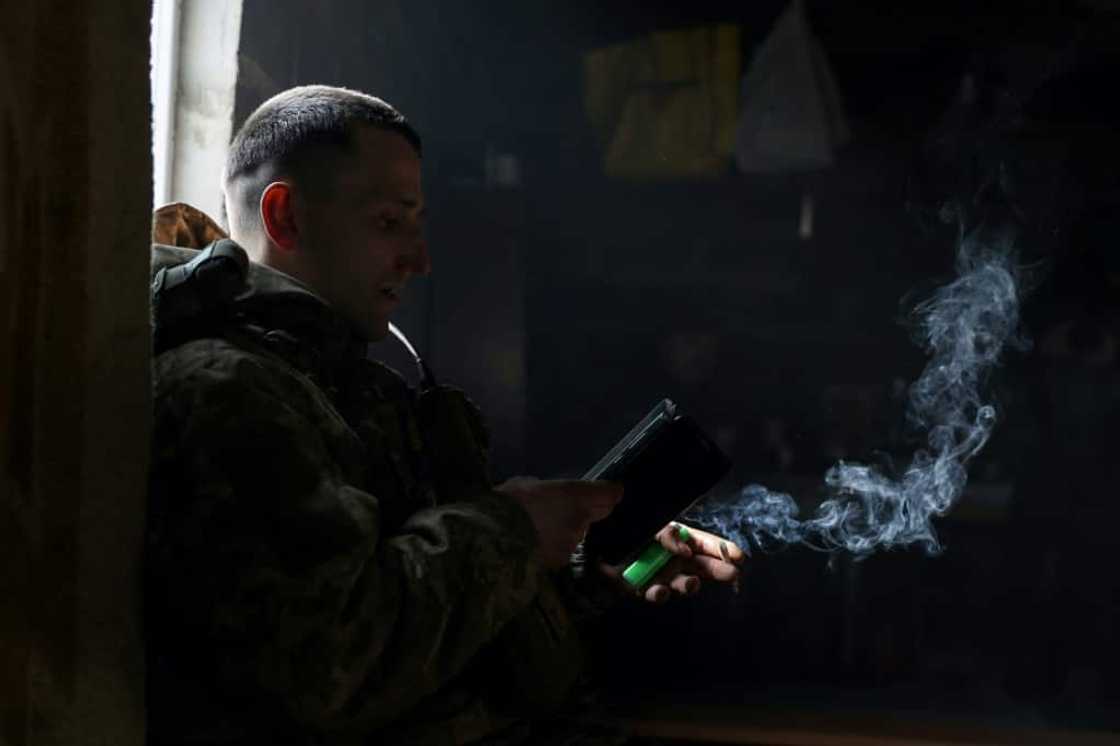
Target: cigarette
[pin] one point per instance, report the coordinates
(727, 558)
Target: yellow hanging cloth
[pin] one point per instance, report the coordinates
(665, 106)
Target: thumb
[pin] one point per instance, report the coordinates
(597, 511)
(600, 498)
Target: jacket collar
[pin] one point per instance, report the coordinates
(283, 308)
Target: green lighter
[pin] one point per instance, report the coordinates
(650, 561)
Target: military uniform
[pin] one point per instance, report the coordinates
(327, 562)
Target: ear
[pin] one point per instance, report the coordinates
(278, 216)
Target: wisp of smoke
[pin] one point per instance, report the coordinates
(964, 327)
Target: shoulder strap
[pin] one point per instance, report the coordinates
(189, 298)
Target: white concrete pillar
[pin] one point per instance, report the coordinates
(209, 34)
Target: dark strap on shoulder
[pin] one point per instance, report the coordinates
(189, 298)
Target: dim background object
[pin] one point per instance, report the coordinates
(575, 299)
(792, 117)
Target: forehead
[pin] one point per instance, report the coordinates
(380, 162)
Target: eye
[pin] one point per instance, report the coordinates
(387, 222)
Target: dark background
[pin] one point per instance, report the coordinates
(562, 304)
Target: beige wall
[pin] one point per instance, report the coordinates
(74, 391)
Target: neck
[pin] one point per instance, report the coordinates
(263, 251)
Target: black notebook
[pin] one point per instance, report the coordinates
(665, 463)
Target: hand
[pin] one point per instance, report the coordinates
(703, 556)
(562, 510)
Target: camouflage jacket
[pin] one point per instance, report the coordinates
(325, 564)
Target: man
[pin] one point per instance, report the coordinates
(327, 561)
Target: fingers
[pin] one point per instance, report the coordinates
(684, 577)
(678, 578)
(703, 556)
(597, 498)
(517, 485)
(680, 585)
(569, 505)
(699, 542)
(588, 491)
(714, 569)
(597, 511)
(599, 492)
(670, 538)
(685, 585)
(613, 573)
(715, 546)
(654, 593)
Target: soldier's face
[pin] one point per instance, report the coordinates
(366, 235)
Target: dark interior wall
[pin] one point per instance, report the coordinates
(436, 63)
(75, 200)
(563, 300)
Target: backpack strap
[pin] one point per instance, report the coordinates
(189, 299)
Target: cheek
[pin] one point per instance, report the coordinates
(317, 229)
(380, 258)
(365, 272)
(360, 262)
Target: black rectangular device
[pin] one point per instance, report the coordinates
(665, 464)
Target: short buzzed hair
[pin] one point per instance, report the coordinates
(284, 132)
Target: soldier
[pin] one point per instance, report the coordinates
(327, 559)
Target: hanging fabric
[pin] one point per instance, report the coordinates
(792, 118)
(664, 106)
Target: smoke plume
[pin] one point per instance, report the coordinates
(964, 327)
